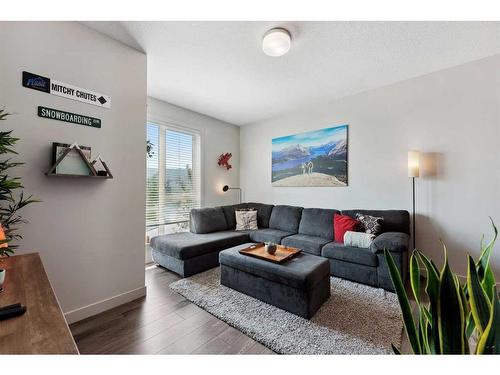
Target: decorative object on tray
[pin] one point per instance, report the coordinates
(246, 219)
(281, 255)
(270, 247)
(370, 224)
(313, 158)
(223, 160)
(79, 165)
(12, 197)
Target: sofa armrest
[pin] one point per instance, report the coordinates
(396, 242)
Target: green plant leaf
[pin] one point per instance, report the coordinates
(395, 350)
(432, 290)
(489, 341)
(479, 303)
(488, 282)
(415, 276)
(404, 303)
(451, 321)
(423, 331)
(465, 309)
(470, 325)
(484, 258)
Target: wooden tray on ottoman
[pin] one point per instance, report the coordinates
(281, 255)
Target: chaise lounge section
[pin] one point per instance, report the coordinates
(212, 230)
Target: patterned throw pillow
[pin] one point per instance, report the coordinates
(370, 224)
(246, 219)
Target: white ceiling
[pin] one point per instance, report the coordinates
(219, 69)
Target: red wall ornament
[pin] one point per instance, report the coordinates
(223, 160)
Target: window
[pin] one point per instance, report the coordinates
(172, 179)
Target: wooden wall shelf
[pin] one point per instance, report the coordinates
(76, 175)
(93, 172)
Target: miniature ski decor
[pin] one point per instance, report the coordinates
(223, 160)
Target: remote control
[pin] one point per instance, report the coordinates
(12, 312)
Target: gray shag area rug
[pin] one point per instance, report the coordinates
(357, 319)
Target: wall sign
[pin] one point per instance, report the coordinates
(74, 118)
(51, 86)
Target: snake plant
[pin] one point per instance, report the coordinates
(454, 313)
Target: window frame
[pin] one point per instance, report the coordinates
(177, 126)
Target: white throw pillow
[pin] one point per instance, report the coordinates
(358, 239)
(246, 219)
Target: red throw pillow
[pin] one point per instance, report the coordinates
(342, 224)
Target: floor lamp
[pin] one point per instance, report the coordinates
(413, 172)
(226, 188)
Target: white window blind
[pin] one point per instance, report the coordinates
(173, 175)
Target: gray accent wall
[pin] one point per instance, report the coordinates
(452, 116)
(89, 233)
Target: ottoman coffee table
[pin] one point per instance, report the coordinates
(300, 285)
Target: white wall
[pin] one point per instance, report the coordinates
(217, 137)
(90, 233)
(453, 116)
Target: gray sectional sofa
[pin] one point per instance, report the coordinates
(310, 229)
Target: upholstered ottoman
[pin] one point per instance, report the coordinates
(300, 285)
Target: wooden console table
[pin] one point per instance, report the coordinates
(42, 329)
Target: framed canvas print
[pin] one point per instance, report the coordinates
(314, 158)
(72, 163)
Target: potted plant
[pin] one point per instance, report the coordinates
(459, 318)
(12, 198)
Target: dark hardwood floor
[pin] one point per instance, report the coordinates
(163, 322)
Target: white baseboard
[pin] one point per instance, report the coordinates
(106, 304)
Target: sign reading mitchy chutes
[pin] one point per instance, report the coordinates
(74, 118)
(65, 90)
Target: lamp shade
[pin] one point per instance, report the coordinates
(413, 163)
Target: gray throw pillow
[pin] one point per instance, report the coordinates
(246, 219)
(370, 224)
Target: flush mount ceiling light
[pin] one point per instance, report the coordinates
(276, 42)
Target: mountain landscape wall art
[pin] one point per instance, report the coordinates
(314, 158)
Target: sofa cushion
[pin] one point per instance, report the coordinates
(343, 224)
(286, 218)
(317, 222)
(392, 241)
(394, 220)
(207, 220)
(229, 214)
(309, 244)
(188, 245)
(336, 250)
(263, 213)
(268, 235)
(302, 272)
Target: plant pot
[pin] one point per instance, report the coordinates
(2, 278)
